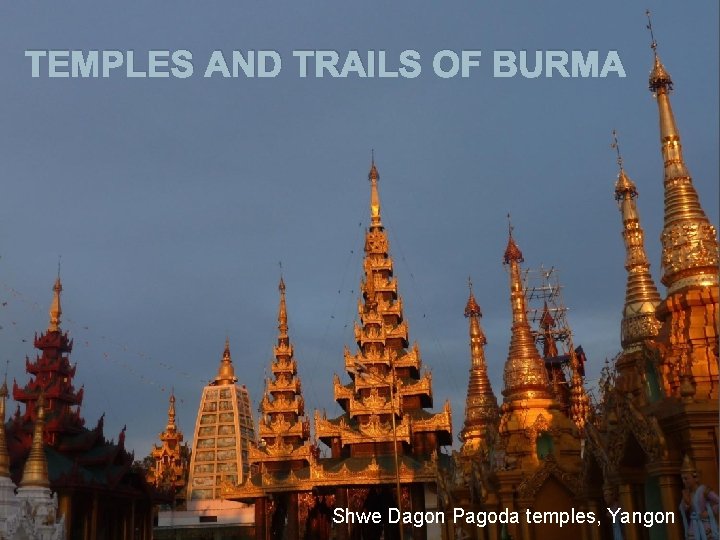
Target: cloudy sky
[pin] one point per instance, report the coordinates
(172, 200)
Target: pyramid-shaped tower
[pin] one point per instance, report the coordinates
(171, 457)
(223, 435)
(52, 375)
(386, 439)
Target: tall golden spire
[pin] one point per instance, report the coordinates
(4, 456)
(36, 469)
(481, 409)
(226, 373)
(283, 428)
(373, 176)
(689, 241)
(641, 296)
(525, 376)
(55, 309)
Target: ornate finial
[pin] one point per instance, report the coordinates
(653, 43)
(624, 187)
(55, 308)
(472, 309)
(4, 455)
(36, 470)
(374, 176)
(171, 411)
(226, 373)
(616, 145)
(660, 81)
(512, 252)
(282, 311)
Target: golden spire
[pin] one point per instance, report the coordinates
(641, 296)
(689, 242)
(55, 309)
(481, 407)
(579, 400)
(373, 176)
(226, 373)
(4, 456)
(282, 312)
(525, 375)
(171, 413)
(36, 469)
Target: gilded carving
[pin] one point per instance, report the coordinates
(530, 486)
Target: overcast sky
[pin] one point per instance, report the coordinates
(172, 200)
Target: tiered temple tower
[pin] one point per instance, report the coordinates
(170, 470)
(385, 442)
(223, 435)
(385, 438)
(98, 493)
(284, 439)
(481, 409)
(52, 375)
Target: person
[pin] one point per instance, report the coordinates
(698, 506)
(611, 499)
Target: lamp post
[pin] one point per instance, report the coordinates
(362, 370)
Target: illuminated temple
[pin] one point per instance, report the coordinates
(545, 446)
(548, 446)
(97, 492)
(657, 416)
(384, 449)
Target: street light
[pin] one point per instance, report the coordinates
(362, 370)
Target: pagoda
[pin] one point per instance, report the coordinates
(223, 434)
(482, 414)
(29, 511)
(658, 413)
(467, 482)
(530, 456)
(170, 466)
(52, 376)
(386, 441)
(98, 491)
(284, 449)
